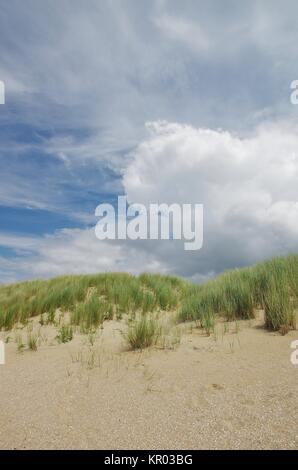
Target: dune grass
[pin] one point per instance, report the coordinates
(271, 286)
(65, 334)
(32, 341)
(92, 299)
(142, 332)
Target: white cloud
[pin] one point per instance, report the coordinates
(74, 251)
(248, 188)
(206, 64)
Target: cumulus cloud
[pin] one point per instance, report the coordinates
(79, 90)
(248, 187)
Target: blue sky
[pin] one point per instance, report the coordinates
(83, 78)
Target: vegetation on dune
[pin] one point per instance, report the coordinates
(92, 299)
(65, 334)
(32, 342)
(90, 313)
(271, 286)
(142, 332)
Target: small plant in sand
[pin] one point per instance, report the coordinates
(236, 327)
(142, 332)
(50, 319)
(215, 334)
(89, 357)
(169, 337)
(65, 334)
(226, 328)
(92, 359)
(32, 340)
(207, 322)
(19, 340)
(92, 338)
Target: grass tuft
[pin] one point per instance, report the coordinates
(142, 332)
(65, 334)
(32, 341)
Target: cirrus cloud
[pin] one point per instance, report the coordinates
(248, 187)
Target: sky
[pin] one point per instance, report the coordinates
(164, 101)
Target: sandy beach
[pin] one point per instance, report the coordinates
(236, 389)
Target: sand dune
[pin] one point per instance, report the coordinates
(236, 389)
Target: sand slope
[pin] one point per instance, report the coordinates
(237, 390)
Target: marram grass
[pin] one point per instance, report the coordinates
(271, 285)
(142, 332)
(91, 299)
